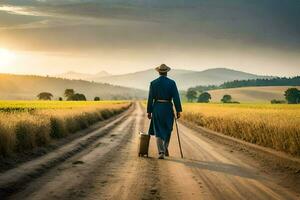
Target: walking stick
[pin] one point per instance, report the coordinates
(178, 137)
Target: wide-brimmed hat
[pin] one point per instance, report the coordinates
(163, 68)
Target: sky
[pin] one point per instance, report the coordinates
(50, 37)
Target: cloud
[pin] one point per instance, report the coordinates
(21, 10)
(207, 23)
(195, 32)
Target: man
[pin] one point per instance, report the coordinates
(160, 109)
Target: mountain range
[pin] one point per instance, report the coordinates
(184, 78)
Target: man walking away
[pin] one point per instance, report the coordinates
(160, 109)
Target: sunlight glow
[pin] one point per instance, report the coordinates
(6, 57)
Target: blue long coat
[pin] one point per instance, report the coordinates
(162, 120)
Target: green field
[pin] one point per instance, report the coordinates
(275, 126)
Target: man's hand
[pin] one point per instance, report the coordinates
(178, 115)
(149, 116)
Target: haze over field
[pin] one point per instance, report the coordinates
(19, 87)
(88, 36)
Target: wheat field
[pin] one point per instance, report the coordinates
(25, 125)
(274, 126)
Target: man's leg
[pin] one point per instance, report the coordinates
(166, 146)
(160, 146)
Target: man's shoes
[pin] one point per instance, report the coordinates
(161, 156)
(167, 153)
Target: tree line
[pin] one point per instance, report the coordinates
(205, 97)
(293, 81)
(69, 94)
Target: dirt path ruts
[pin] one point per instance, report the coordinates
(111, 169)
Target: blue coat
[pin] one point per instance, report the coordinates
(162, 120)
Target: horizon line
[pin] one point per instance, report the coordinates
(133, 72)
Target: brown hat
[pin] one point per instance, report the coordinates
(163, 68)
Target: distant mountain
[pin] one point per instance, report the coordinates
(184, 78)
(82, 76)
(102, 74)
(74, 75)
(25, 87)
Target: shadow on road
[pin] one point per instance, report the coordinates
(217, 167)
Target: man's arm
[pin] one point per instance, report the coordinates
(150, 102)
(176, 100)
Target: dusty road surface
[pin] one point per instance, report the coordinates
(109, 168)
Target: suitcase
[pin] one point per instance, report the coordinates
(144, 144)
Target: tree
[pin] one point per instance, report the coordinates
(226, 98)
(205, 97)
(191, 94)
(97, 99)
(275, 101)
(292, 95)
(72, 96)
(60, 98)
(78, 97)
(45, 96)
(69, 93)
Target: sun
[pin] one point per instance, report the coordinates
(6, 57)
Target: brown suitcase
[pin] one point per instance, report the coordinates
(144, 144)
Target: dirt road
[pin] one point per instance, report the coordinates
(109, 168)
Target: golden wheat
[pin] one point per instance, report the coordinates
(26, 125)
(275, 126)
